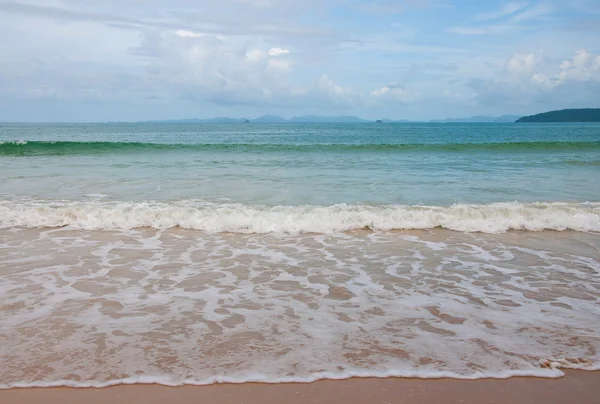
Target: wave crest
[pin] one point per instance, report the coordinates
(240, 218)
(49, 148)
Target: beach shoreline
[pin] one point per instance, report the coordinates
(141, 253)
(95, 308)
(580, 387)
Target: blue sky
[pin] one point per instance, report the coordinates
(97, 60)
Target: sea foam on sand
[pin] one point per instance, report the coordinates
(176, 306)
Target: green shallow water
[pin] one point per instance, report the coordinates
(302, 164)
(49, 148)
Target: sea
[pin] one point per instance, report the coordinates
(228, 253)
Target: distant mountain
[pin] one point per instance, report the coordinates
(507, 118)
(309, 119)
(480, 119)
(210, 120)
(269, 119)
(343, 119)
(325, 119)
(275, 119)
(565, 115)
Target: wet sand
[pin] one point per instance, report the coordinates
(95, 307)
(577, 387)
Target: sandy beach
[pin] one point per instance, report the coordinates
(94, 309)
(577, 387)
(299, 202)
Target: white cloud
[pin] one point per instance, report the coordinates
(221, 70)
(395, 6)
(522, 64)
(182, 33)
(531, 67)
(270, 55)
(530, 79)
(483, 30)
(508, 9)
(278, 51)
(326, 90)
(328, 86)
(467, 30)
(457, 95)
(533, 13)
(255, 55)
(279, 65)
(510, 24)
(524, 12)
(584, 66)
(226, 71)
(394, 92)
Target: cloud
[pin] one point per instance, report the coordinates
(529, 79)
(165, 57)
(533, 13)
(279, 65)
(394, 91)
(522, 64)
(518, 13)
(447, 67)
(508, 9)
(225, 71)
(183, 65)
(457, 95)
(182, 33)
(270, 55)
(583, 67)
(467, 30)
(259, 3)
(326, 86)
(394, 6)
(483, 30)
(213, 67)
(67, 15)
(211, 20)
(585, 6)
(278, 51)
(255, 55)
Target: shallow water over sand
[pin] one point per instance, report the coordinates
(181, 253)
(91, 308)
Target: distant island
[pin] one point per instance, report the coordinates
(565, 115)
(274, 119)
(340, 119)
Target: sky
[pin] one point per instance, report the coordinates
(132, 60)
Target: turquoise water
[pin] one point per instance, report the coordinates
(196, 254)
(302, 164)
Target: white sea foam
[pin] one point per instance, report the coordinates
(15, 142)
(239, 218)
(264, 378)
(550, 372)
(188, 307)
(95, 196)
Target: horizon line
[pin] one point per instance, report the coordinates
(282, 120)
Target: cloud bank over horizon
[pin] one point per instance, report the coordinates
(66, 60)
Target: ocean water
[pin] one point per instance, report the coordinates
(202, 253)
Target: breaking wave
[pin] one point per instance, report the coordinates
(43, 148)
(240, 218)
